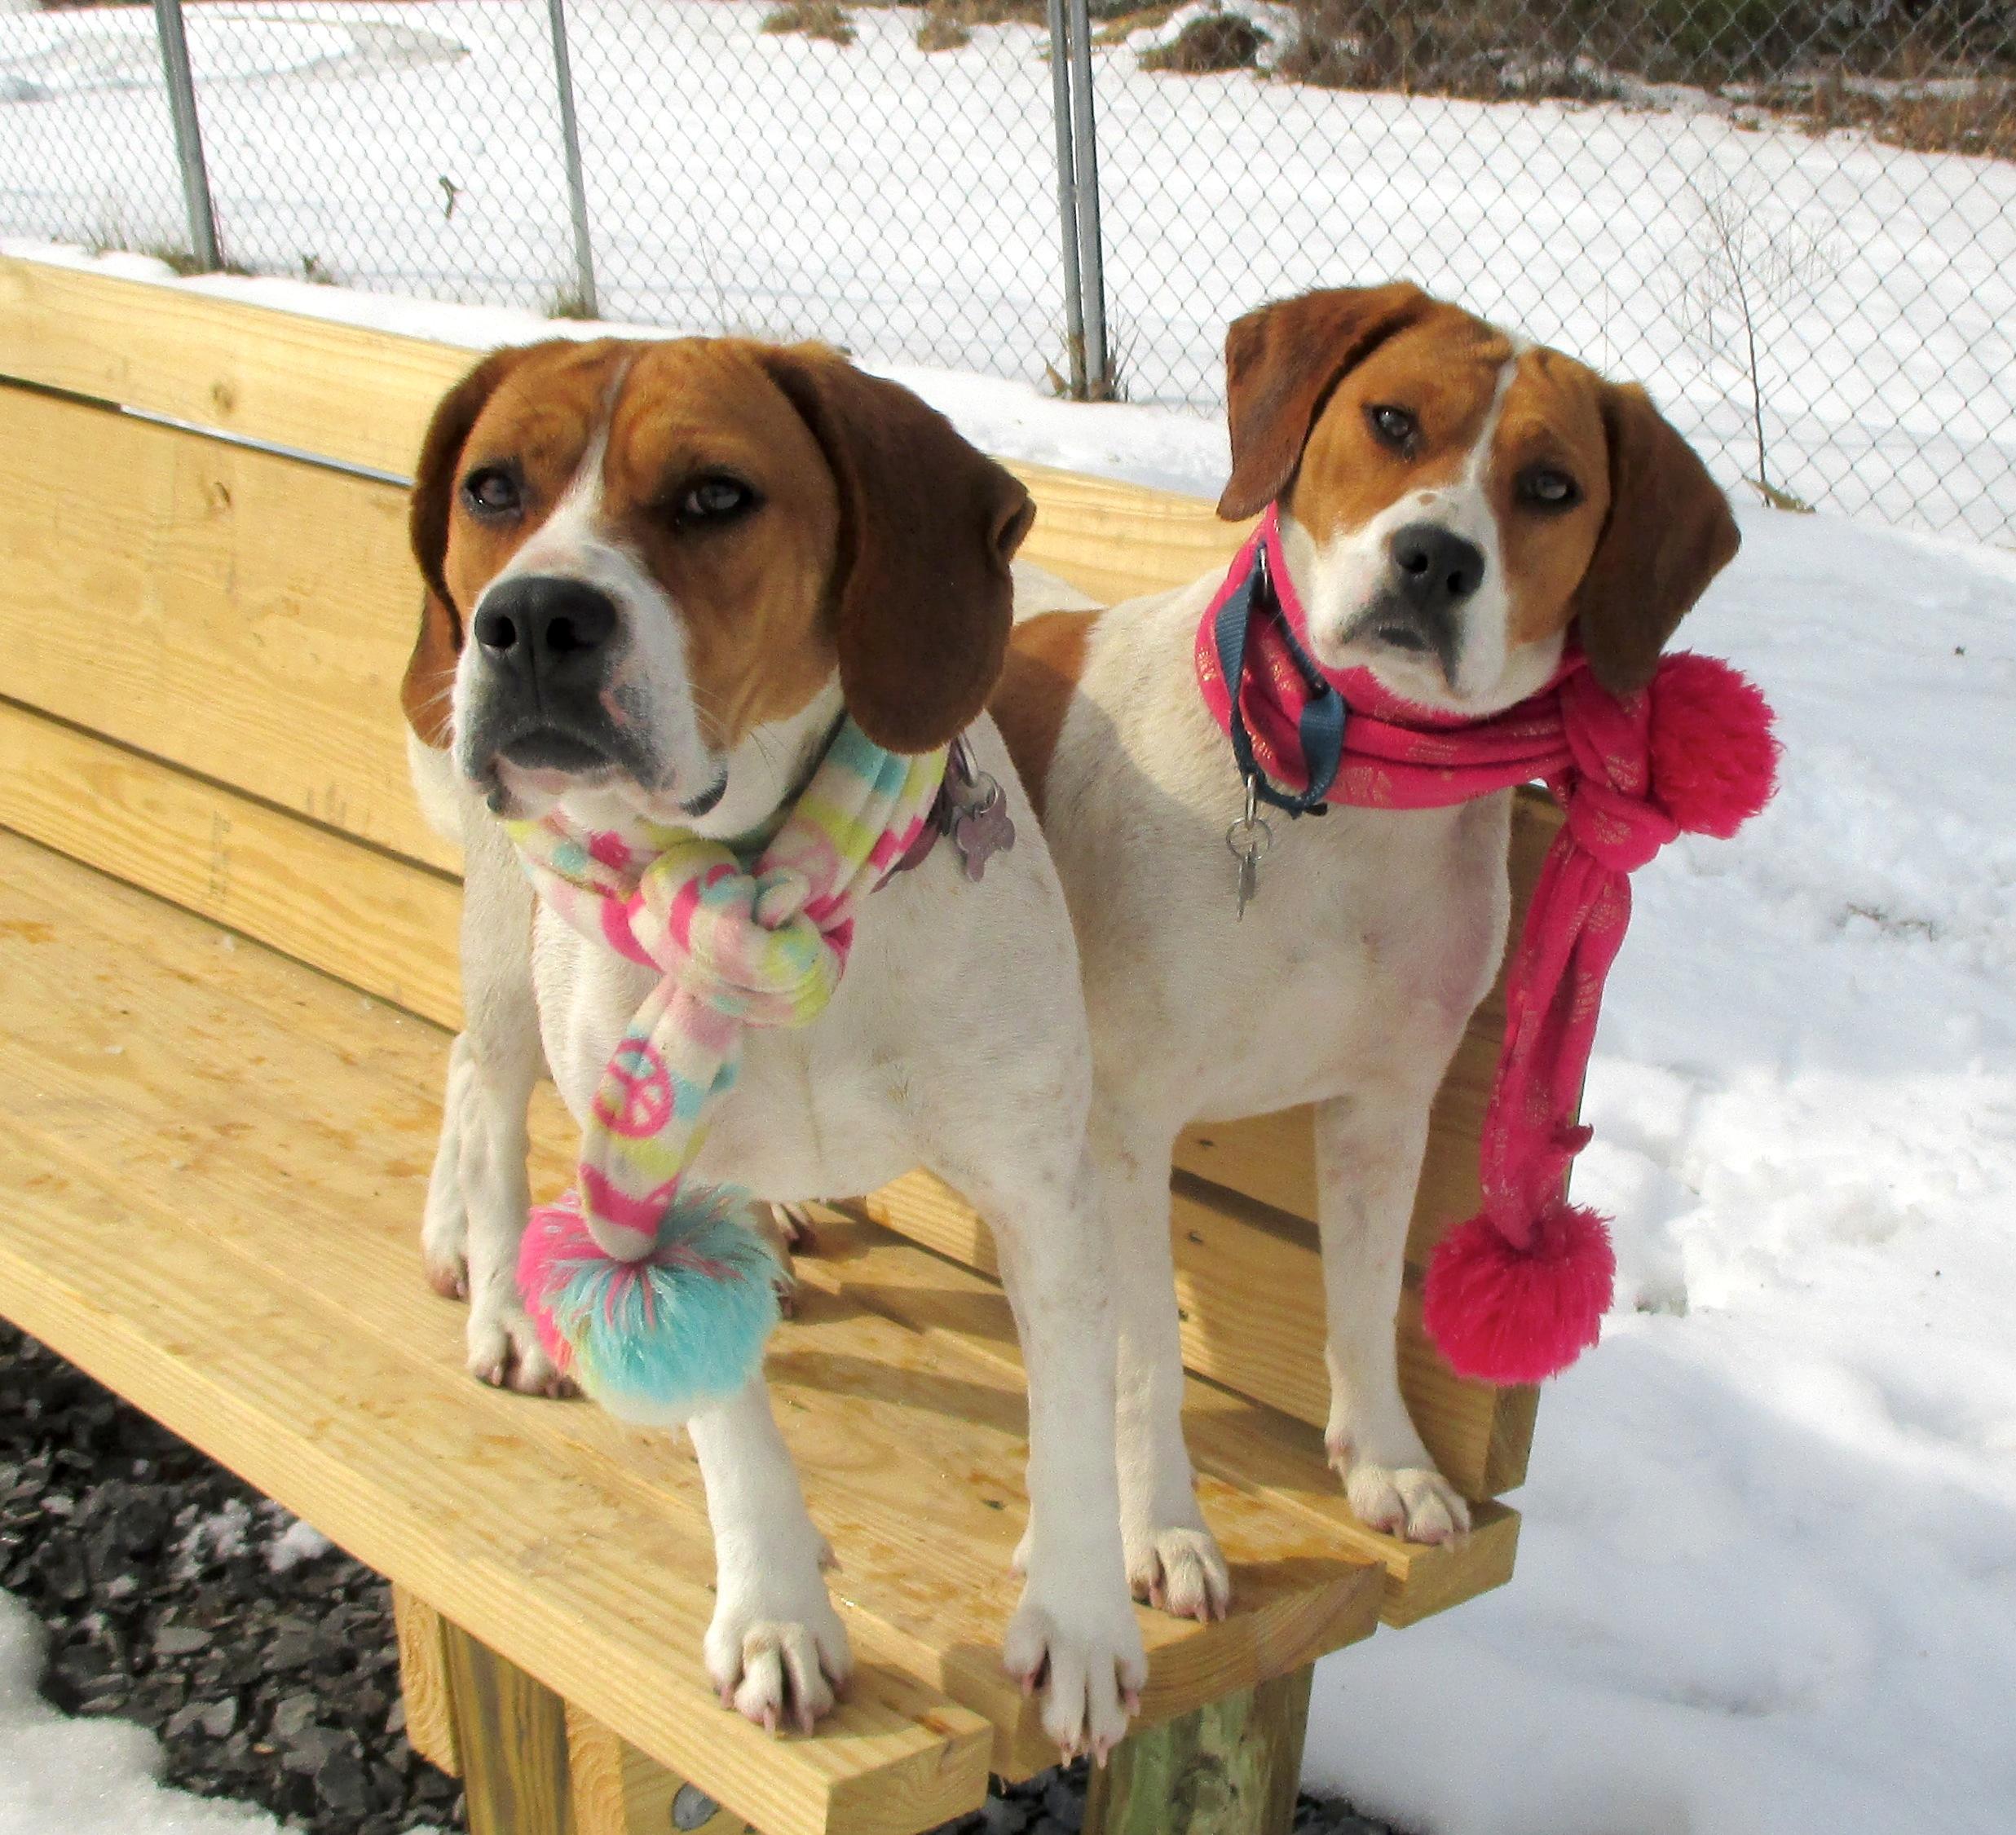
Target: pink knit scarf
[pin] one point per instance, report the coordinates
(1519, 1291)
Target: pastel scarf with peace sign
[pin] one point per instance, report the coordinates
(653, 1293)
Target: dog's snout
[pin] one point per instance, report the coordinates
(545, 628)
(1435, 568)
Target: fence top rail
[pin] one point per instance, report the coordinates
(353, 397)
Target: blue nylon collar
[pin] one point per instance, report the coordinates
(1320, 730)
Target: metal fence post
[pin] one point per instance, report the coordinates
(195, 178)
(571, 147)
(1067, 199)
(1091, 243)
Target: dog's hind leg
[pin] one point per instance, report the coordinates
(1369, 1149)
(1173, 1560)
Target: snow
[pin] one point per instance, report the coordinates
(1766, 1584)
(903, 206)
(1767, 1581)
(87, 1777)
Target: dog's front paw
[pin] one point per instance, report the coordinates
(1084, 1653)
(1407, 1497)
(505, 1350)
(1180, 1570)
(778, 1662)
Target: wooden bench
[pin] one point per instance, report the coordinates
(228, 952)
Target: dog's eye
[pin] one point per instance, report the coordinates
(1393, 426)
(491, 490)
(1549, 489)
(714, 499)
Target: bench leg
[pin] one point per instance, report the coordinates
(511, 1735)
(1230, 1768)
(532, 1764)
(619, 1791)
(423, 1681)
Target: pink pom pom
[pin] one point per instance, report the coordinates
(1714, 757)
(1504, 1314)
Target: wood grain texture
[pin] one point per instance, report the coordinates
(239, 614)
(1231, 1768)
(369, 918)
(619, 1791)
(912, 1448)
(1243, 1450)
(231, 1248)
(358, 396)
(512, 1734)
(1249, 1295)
(423, 1681)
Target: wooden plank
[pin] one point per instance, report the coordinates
(512, 1733)
(369, 918)
(1229, 1769)
(239, 614)
(1249, 1297)
(1114, 540)
(358, 396)
(423, 1681)
(877, 1416)
(1272, 1157)
(1243, 1451)
(244, 1351)
(619, 1791)
(363, 398)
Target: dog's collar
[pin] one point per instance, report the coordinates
(1248, 599)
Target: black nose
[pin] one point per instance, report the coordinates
(544, 629)
(1437, 569)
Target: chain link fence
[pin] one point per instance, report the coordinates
(1794, 220)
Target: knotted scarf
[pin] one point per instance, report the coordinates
(1519, 1292)
(653, 1292)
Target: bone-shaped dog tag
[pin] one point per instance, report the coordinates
(983, 830)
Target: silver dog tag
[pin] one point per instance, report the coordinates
(1249, 838)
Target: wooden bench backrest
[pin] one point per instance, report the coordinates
(206, 614)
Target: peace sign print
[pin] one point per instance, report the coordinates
(634, 1097)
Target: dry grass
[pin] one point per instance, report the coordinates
(1980, 119)
(1214, 42)
(814, 19)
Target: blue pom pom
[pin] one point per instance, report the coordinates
(653, 1341)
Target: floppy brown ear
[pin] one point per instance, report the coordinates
(1281, 361)
(1668, 533)
(922, 595)
(424, 692)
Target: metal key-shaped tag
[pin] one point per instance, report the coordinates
(1250, 838)
(983, 830)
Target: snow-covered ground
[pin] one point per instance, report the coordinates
(1768, 1583)
(904, 205)
(86, 1777)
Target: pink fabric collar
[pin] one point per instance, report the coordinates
(1600, 757)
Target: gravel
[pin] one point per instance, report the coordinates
(175, 1595)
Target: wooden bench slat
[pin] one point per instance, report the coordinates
(351, 395)
(313, 1414)
(375, 921)
(360, 397)
(1239, 1446)
(1252, 1301)
(879, 1418)
(243, 616)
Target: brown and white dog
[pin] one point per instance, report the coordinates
(657, 574)
(1454, 501)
